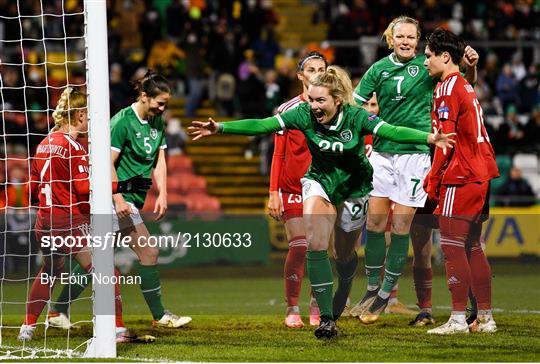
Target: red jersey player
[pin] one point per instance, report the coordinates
(290, 162)
(59, 182)
(459, 180)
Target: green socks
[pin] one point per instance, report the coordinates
(346, 272)
(151, 289)
(322, 281)
(395, 260)
(375, 252)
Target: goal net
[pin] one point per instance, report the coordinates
(45, 47)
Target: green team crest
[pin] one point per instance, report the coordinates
(346, 135)
(413, 70)
(153, 133)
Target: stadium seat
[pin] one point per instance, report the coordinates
(186, 183)
(179, 164)
(527, 162)
(200, 202)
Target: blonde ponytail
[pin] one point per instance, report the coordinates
(338, 83)
(389, 32)
(69, 103)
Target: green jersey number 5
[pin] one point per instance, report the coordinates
(147, 146)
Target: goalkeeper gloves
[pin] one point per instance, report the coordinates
(133, 185)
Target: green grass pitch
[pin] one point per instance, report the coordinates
(238, 316)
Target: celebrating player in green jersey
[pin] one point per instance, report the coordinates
(138, 148)
(336, 185)
(404, 92)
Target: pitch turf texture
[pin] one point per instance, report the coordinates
(238, 316)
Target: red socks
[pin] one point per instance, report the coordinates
(423, 282)
(454, 233)
(294, 269)
(118, 301)
(40, 293)
(481, 278)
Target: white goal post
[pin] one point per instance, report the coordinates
(103, 344)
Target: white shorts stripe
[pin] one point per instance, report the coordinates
(445, 205)
(452, 196)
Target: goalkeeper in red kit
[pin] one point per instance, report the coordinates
(459, 181)
(59, 182)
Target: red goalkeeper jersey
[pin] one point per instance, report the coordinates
(472, 159)
(59, 181)
(291, 157)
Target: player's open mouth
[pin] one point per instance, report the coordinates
(319, 114)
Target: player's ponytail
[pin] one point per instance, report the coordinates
(152, 84)
(389, 32)
(69, 103)
(338, 83)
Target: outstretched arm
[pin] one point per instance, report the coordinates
(402, 134)
(201, 129)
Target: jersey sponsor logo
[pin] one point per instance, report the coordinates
(372, 117)
(346, 135)
(413, 70)
(138, 135)
(469, 89)
(153, 133)
(385, 74)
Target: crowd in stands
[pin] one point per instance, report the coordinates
(228, 51)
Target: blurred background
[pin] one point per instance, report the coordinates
(232, 59)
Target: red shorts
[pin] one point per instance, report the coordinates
(292, 205)
(69, 240)
(468, 202)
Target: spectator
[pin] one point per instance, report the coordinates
(166, 58)
(252, 20)
(532, 132)
(507, 87)
(250, 87)
(518, 68)
(511, 134)
(129, 14)
(273, 92)
(195, 72)
(529, 89)
(175, 134)
(266, 48)
(516, 191)
(177, 15)
(120, 92)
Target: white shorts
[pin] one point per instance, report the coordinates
(351, 214)
(133, 219)
(400, 177)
